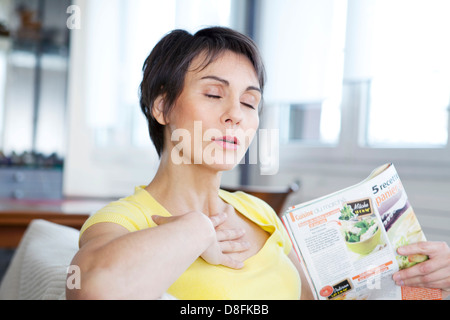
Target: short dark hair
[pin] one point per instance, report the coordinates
(166, 67)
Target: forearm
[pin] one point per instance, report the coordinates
(306, 293)
(144, 264)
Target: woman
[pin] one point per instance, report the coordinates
(181, 234)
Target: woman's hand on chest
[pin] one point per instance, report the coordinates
(238, 236)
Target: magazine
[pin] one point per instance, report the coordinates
(347, 240)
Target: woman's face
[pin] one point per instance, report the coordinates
(216, 116)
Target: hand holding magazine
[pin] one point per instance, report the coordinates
(347, 240)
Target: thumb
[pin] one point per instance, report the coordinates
(160, 220)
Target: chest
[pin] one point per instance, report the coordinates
(254, 234)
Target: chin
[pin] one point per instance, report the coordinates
(221, 164)
(225, 167)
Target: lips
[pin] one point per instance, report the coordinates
(227, 139)
(227, 142)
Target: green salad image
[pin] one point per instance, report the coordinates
(361, 235)
(347, 213)
(361, 230)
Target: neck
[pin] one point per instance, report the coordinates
(186, 187)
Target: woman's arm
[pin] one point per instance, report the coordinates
(306, 290)
(117, 264)
(433, 273)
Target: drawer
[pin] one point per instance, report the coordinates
(24, 183)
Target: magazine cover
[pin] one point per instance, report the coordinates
(347, 240)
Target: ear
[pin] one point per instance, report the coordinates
(158, 110)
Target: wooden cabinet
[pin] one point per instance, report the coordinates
(23, 183)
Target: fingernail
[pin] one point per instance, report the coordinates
(398, 280)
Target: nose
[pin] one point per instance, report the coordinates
(233, 114)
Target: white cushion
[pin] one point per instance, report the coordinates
(38, 269)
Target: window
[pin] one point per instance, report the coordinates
(410, 89)
(113, 110)
(34, 45)
(358, 80)
(302, 43)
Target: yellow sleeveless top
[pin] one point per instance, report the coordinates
(268, 275)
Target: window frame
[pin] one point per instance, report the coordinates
(425, 161)
(351, 149)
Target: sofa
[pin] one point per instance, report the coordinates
(38, 269)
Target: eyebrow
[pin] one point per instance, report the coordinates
(225, 82)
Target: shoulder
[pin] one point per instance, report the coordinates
(133, 212)
(251, 205)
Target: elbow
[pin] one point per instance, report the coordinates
(86, 280)
(87, 289)
(81, 282)
(78, 294)
(86, 294)
(84, 283)
(96, 285)
(101, 285)
(92, 293)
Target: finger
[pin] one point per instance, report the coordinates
(234, 246)
(218, 219)
(229, 234)
(229, 262)
(423, 273)
(444, 285)
(426, 248)
(159, 220)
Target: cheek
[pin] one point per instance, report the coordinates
(250, 138)
(181, 119)
(254, 123)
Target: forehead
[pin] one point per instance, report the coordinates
(225, 63)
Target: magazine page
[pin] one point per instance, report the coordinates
(348, 240)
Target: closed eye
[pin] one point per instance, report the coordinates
(212, 96)
(248, 105)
